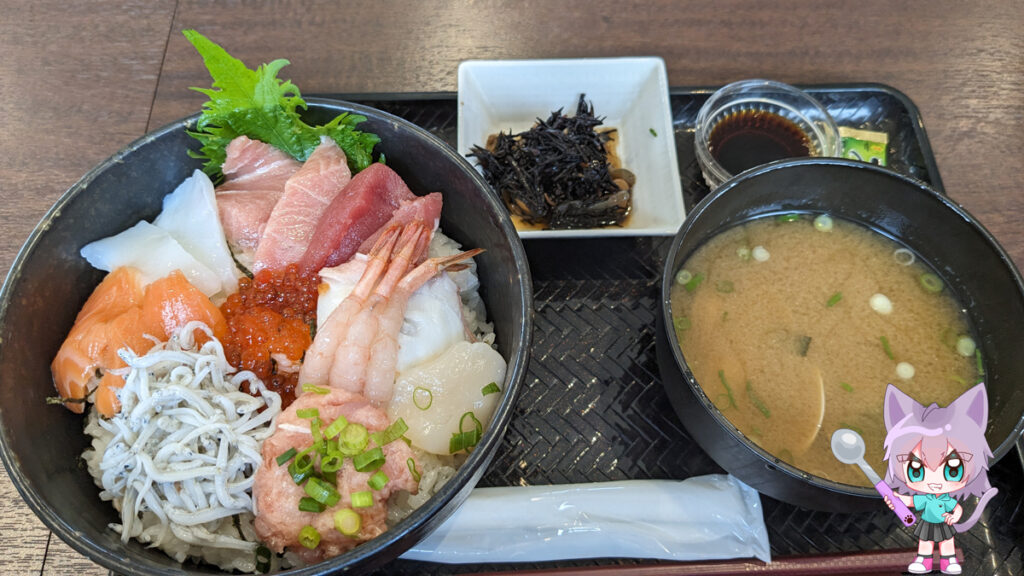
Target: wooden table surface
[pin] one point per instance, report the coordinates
(78, 81)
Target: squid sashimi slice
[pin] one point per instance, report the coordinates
(423, 209)
(255, 174)
(276, 495)
(307, 194)
(365, 205)
(190, 216)
(433, 396)
(154, 252)
(433, 317)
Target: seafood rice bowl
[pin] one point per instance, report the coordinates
(283, 358)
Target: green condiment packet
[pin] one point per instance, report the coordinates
(864, 145)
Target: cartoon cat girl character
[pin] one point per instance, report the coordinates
(937, 457)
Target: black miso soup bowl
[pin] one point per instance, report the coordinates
(970, 261)
(41, 444)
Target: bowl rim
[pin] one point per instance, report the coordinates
(666, 307)
(439, 506)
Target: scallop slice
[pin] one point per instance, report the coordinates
(154, 252)
(190, 216)
(433, 397)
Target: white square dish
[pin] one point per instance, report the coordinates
(630, 93)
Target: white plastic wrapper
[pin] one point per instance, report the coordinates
(703, 518)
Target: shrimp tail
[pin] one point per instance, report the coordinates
(976, 515)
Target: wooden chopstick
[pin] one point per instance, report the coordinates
(882, 562)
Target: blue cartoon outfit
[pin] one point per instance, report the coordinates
(933, 525)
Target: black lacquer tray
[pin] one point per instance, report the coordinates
(593, 407)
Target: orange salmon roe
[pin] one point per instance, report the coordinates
(270, 316)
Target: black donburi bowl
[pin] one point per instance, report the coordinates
(49, 281)
(971, 262)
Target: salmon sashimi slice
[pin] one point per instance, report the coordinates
(306, 195)
(121, 314)
(255, 174)
(365, 205)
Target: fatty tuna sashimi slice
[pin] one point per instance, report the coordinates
(360, 210)
(154, 252)
(307, 194)
(190, 216)
(255, 174)
(423, 209)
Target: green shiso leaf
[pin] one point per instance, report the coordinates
(257, 104)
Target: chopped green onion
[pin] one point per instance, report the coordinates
(318, 438)
(347, 521)
(965, 346)
(683, 276)
(787, 217)
(756, 400)
(362, 499)
(322, 492)
(422, 398)
(286, 456)
(823, 223)
(309, 537)
(263, 557)
(301, 467)
(728, 390)
(958, 380)
(391, 433)
(412, 469)
(329, 477)
(930, 282)
(694, 282)
(353, 439)
(682, 323)
(336, 427)
(331, 462)
(491, 388)
(476, 423)
(834, 299)
(724, 286)
(653, 133)
(846, 386)
(743, 252)
(977, 358)
(370, 460)
(903, 256)
(462, 440)
(308, 413)
(315, 389)
(887, 348)
(378, 480)
(307, 504)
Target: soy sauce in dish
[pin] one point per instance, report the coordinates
(750, 138)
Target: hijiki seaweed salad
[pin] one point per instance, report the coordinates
(291, 357)
(560, 173)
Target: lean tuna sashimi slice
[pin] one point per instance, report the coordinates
(255, 174)
(307, 194)
(423, 209)
(365, 205)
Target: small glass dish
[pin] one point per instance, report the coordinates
(753, 122)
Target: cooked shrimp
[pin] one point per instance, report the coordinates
(317, 363)
(379, 380)
(352, 358)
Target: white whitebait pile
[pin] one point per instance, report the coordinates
(178, 460)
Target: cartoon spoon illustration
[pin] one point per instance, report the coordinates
(848, 448)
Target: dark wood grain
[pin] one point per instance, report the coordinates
(76, 84)
(73, 93)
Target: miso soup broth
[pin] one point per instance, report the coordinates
(794, 325)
